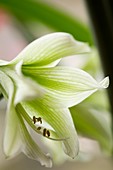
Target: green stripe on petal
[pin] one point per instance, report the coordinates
(60, 120)
(50, 48)
(65, 86)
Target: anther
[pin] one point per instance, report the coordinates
(34, 119)
(48, 133)
(44, 132)
(39, 119)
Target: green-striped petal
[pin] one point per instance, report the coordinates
(12, 140)
(50, 48)
(29, 147)
(60, 120)
(26, 88)
(65, 86)
(11, 137)
(16, 137)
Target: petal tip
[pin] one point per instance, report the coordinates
(104, 83)
(72, 152)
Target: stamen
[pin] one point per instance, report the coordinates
(48, 133)
(34, 119)
(39, 119)
(44, 131)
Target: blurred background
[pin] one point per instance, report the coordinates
(23, 21)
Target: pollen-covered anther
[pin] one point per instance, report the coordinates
(46, 132)
(39, 119)
(35, 119)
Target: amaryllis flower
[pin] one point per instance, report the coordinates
(39, 94)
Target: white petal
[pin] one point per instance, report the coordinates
(60, 120)
(26, 89)
(104, 83)
(11, 138)
(29, 147)
(3, 62)
(50, 48)
(17, 138)
(55, 148)
(65, 86)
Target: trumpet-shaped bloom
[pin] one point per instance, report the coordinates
(39, 91)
